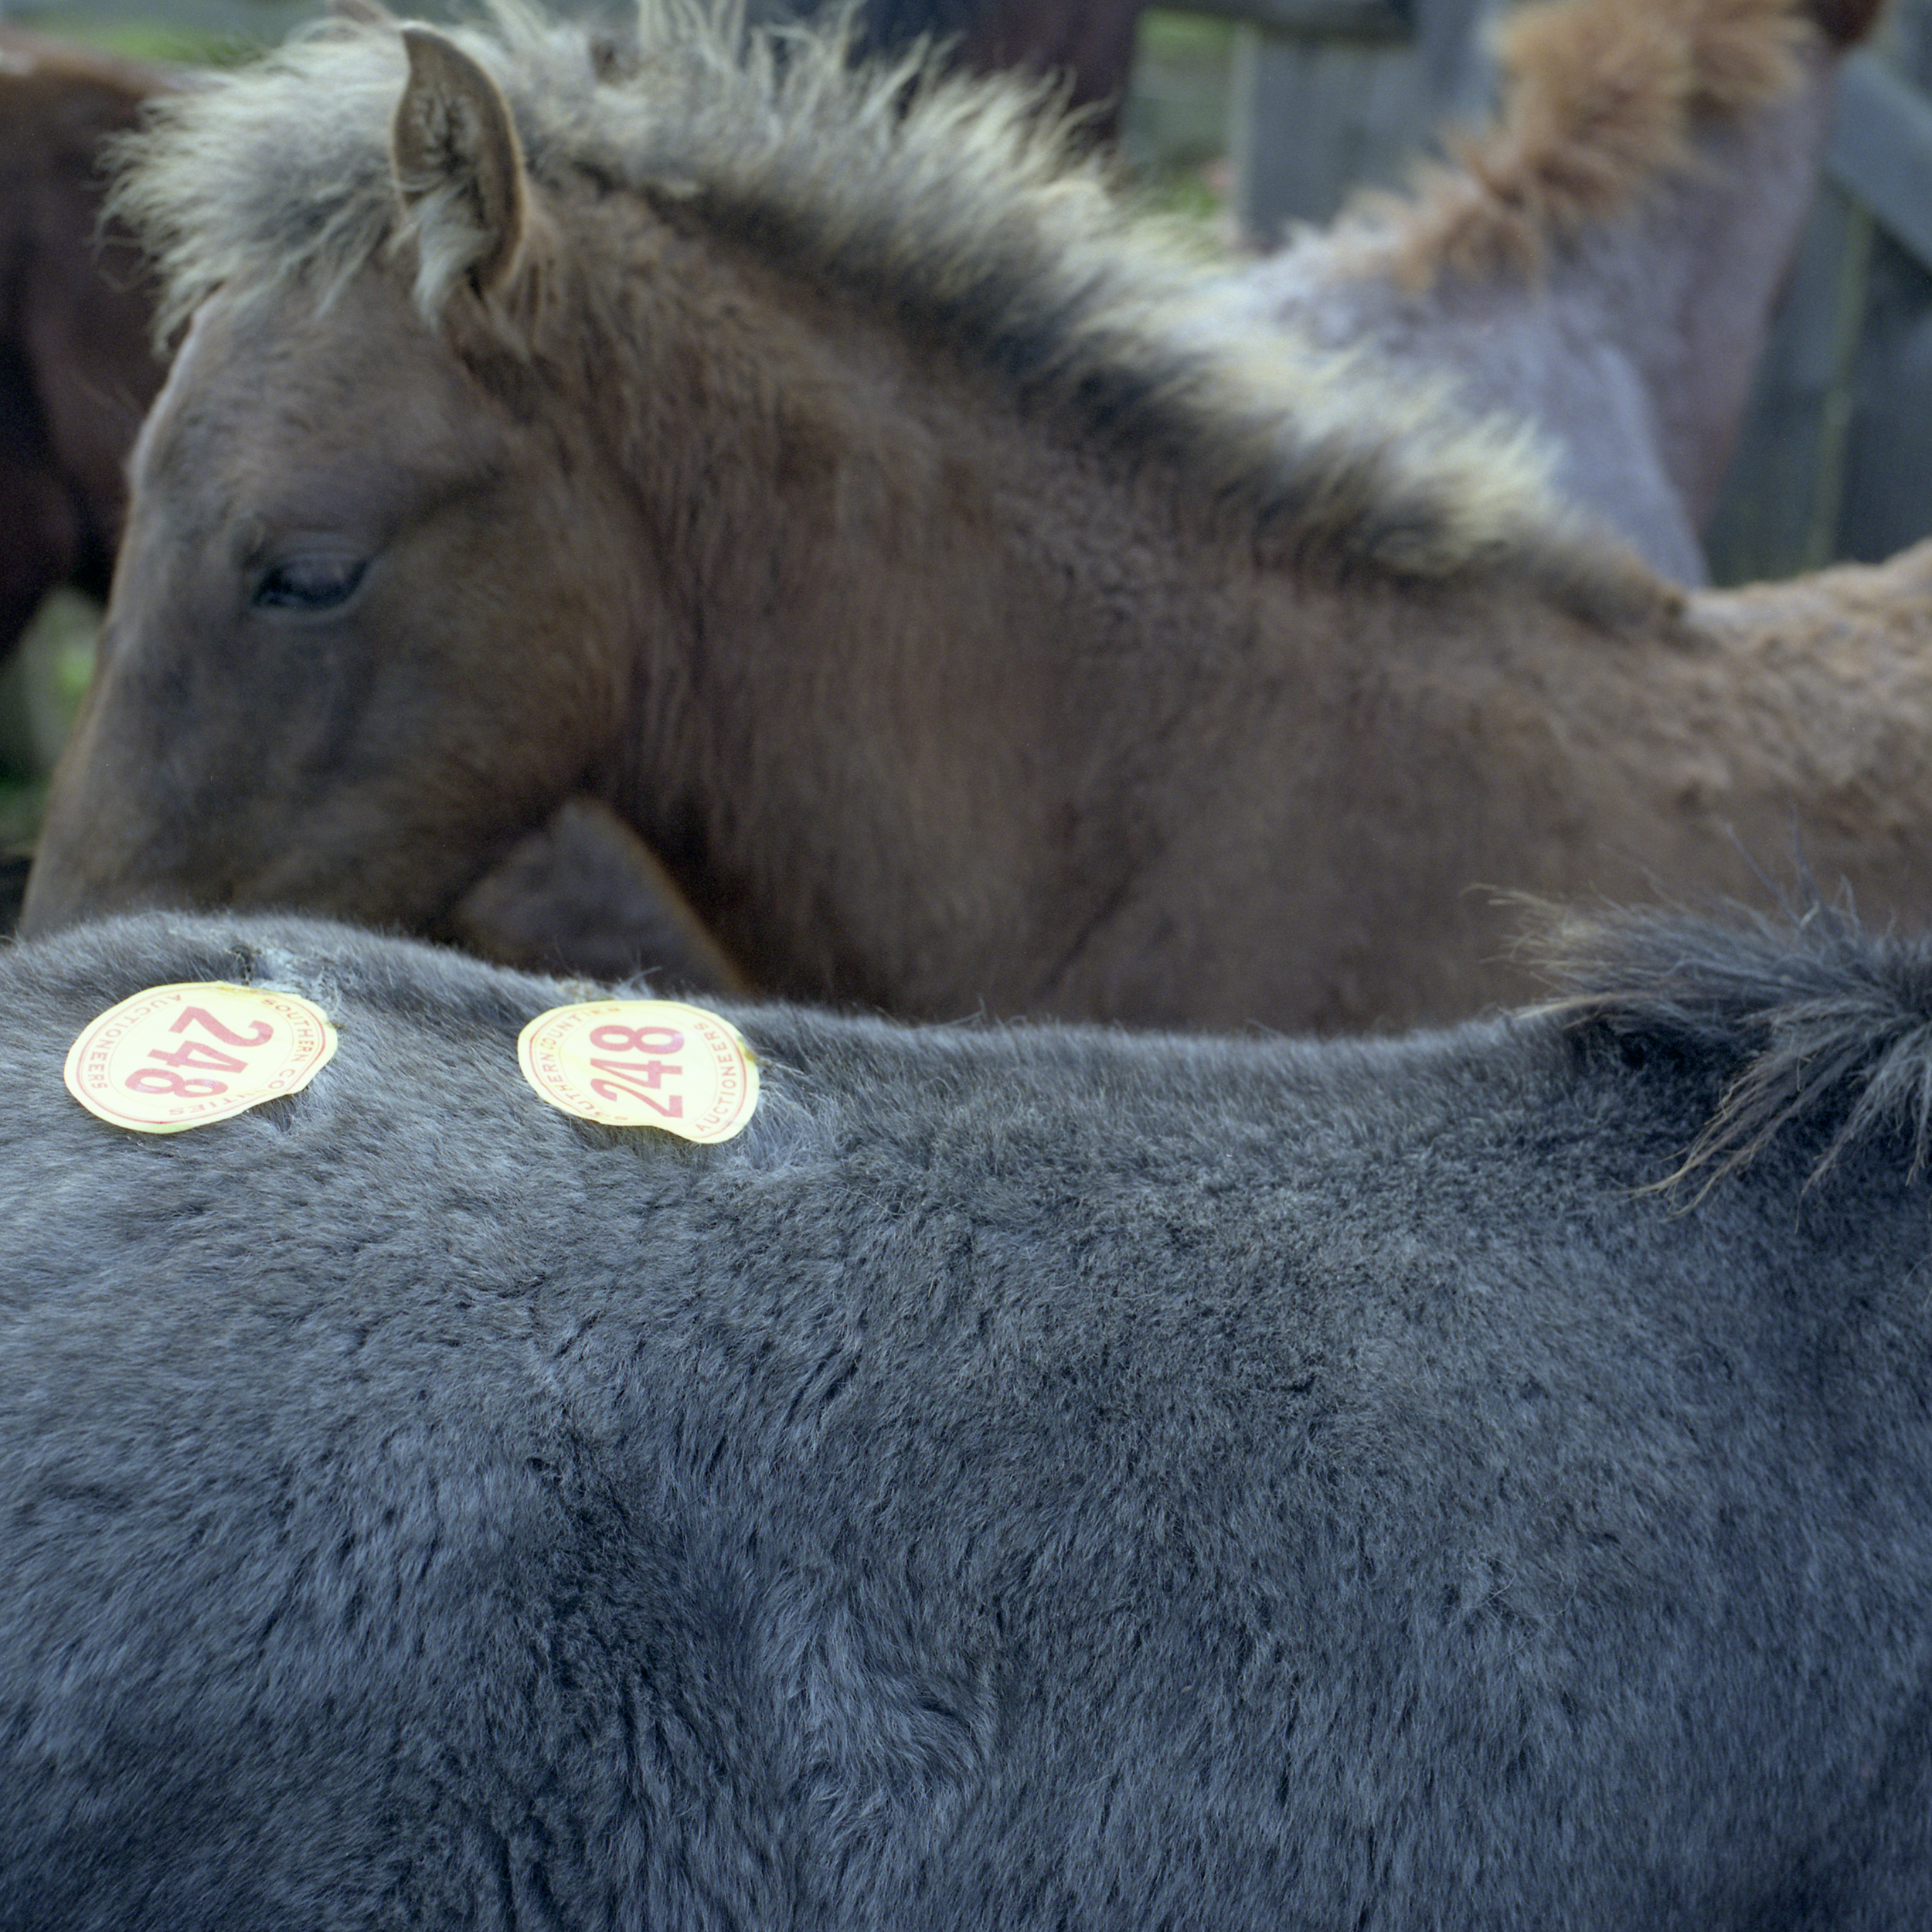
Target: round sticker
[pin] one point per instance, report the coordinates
(180, 1056)
(642, 1062)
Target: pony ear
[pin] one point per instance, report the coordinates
(458, 166)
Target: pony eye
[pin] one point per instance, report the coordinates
(309, 583)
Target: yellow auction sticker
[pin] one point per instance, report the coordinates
(642, 1062)
(179, 1056)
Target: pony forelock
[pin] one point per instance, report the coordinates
(966, 204)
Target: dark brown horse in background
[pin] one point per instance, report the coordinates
(870, 516)
(76, 370)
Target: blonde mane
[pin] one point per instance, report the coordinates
(963, 206)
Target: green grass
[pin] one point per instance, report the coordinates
(178, 46)
(1173, 127)
(40, 691)
(1194, 38)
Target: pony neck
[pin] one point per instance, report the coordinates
(906, 655)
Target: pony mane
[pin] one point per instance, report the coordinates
(1820, 1021)
(1600, 104)
(963, 206)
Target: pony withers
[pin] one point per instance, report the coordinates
(820, 473)
(1029, 1477)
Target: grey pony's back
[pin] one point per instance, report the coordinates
(1031, 1477)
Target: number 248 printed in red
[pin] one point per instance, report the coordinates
(173, 1057)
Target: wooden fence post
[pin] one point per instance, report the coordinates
(1835, 396)
(1327, 95)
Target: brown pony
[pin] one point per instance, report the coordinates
(1601, 260)
(822, 471)
(76, 373)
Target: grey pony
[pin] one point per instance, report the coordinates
(1033, 1478)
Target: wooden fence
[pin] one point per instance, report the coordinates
(1836, 457)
